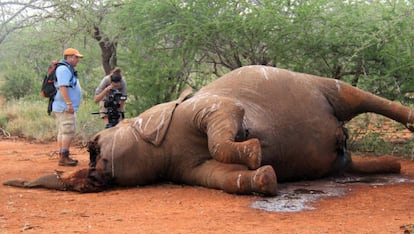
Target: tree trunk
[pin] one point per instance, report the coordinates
(108, 49)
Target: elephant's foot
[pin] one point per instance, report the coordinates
(233, 178)
(264, 181)
(253, 158)
(248, 153)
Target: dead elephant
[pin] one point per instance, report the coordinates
(242, 133)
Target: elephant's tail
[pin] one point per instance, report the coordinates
(380, 165)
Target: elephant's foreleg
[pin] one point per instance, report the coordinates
(223, 127)
(234, 178)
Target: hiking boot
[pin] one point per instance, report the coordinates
(65, 160)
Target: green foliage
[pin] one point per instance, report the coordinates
(18, 82)
(183, 41)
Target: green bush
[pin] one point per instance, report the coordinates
(18, 83)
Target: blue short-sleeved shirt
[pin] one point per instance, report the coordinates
(64, 78)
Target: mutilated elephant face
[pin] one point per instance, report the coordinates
(152, 125)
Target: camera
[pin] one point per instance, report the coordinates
(112, 105)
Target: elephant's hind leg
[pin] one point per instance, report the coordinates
(234, 178)
(384, 164)
(223, 128)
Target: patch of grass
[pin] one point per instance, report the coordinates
(29, 119)
(372, 143)
(376, 135)
(3, 120)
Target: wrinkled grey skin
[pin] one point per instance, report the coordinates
(242, 133)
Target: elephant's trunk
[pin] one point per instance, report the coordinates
(352, 101)
(49, 181)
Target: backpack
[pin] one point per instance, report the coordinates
(48, 86)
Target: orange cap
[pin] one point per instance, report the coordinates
(71, 51)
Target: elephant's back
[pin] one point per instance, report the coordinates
(273, 91)
(263, 82)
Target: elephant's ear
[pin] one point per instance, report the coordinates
(152, 125)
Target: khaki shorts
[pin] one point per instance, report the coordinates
(66, 123)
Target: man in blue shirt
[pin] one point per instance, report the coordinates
(66, 103)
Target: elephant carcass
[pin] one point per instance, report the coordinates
(242, 133)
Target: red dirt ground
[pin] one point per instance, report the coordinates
(168, 208)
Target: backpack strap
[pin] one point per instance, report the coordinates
(70, 69)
